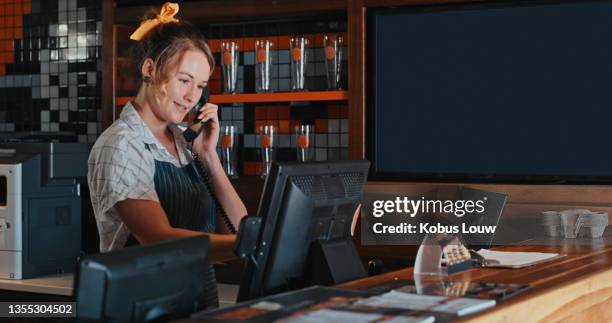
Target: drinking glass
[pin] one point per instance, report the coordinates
(263, 65)
(333, 45)
(299, 60)
(267, 143)
(304, 135)
(229, 66)
(228, 149)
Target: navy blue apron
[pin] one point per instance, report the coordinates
(188, 205)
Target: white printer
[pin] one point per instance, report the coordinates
(40, 207)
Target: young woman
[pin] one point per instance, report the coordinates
(145, 186)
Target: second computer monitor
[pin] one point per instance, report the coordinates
(305, 236)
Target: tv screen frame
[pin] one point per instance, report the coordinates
(376, 173)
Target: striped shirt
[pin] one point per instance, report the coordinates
(120, 168)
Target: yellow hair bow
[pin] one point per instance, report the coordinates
(166, 15)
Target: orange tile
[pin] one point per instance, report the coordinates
(318, 40)
(27, 7)
(284, 113)
(258, 124)
(258, 169)
(214, 86)
(249, 168)
(271, 113)
(333, 112)
(9, 9)
(260, 113)
(2, 9)
(18, 8)
(2, 69)
(283, 126)
(344, 111)
(283, 42)
(18, 33)
(216, 75)
(10, 58)
(8, 21)
(249, 44)
(321, 125)
(215, 45)
(18, 21)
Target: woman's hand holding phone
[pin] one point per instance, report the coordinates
(206, 142)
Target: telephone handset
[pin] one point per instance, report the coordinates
(190, 134)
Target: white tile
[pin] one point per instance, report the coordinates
(44, 116)
(81, 15)
(62, 5)
(321, 154)
(333, 126)
(284, 141)
(321, 140)
(344, 140)
(72, 78)
(91, 78)
(344, 126)
(72, 16)
(63, 104)
(62, 29)
(44, 92)
(333, 140)
(36, 92)
(53, 30)
(54, 126)
(63, 79)
(44, 126)
(92, 128)
(249, 140)
(54, 104)
(73, 104)
(53, 67)
(73, 91)
(82, 138)
(10, 127)
(54, 91)
(63, 116)
(72, 4)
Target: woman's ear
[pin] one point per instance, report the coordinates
(147, 70)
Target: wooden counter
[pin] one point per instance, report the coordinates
(576, 288)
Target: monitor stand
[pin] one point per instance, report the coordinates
(333, 262)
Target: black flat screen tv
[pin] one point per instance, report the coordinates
(492, 91)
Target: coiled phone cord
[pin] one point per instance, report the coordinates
(204, 173)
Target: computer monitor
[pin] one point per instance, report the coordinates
(139, 284)
(306, 212)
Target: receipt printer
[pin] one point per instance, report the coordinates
(40, 207)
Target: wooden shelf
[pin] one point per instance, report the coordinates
(267, 97)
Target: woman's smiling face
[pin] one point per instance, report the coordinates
(183, 87)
